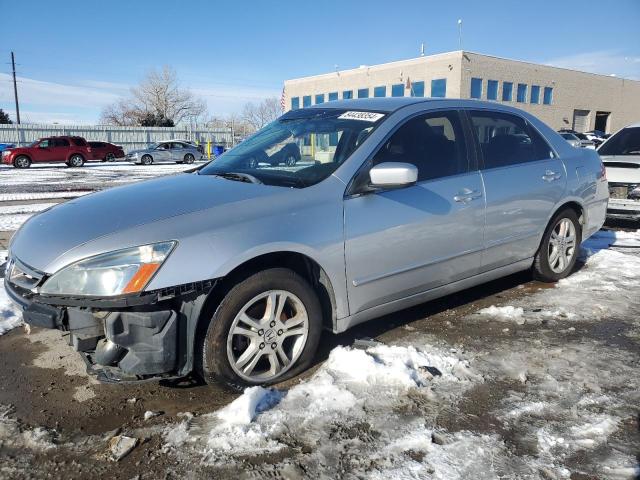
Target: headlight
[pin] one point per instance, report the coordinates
(114, 273)
(635, 193)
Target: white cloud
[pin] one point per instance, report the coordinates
(37, 92)
(605, 62)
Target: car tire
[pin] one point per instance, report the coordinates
(290, 161)
(146, 160)
(240, 354)
(22, 161)
(188, 158)
(110, 157)
(559, 248)
(76, 160)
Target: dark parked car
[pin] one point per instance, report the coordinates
(107, 152)
(5, 146)
(73, 151)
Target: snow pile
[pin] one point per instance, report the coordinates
(13, 435)
(504, 313)
(10, 315)
(366, 408)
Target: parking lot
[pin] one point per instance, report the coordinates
(513, 379)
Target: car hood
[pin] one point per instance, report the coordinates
(131, 152)
(622, 168)
(50, 234)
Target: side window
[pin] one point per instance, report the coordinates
(46, 143)
(61, 142)
(507, 139)
(177, 146)
(433, 142)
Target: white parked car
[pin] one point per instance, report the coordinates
(621, 157)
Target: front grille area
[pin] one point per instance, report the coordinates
(624, 191)
(22, 276)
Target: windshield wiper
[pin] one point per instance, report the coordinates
(238, 177)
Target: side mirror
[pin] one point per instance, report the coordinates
(393, 175)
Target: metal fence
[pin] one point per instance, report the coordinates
(129, 137)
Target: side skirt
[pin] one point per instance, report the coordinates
(396, 305)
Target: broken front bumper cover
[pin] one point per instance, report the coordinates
(132, 338)
(624, 209)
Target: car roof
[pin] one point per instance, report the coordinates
(391, 104)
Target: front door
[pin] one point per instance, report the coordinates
(403, 242)
(162, 153)
(44, 151)
(524, 181)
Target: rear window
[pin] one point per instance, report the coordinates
(80, 142)
(625, 142)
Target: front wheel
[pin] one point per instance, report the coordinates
(559, 249)
(22, 162)
(265, 330)
(146, 160)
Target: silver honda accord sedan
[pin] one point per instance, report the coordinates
(233, 270)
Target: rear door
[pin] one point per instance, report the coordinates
(61, 147)
(406, 241)
(524, 180)
(178, 151)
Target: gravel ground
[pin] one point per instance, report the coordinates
(512, 379)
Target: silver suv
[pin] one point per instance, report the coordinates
(234, 269)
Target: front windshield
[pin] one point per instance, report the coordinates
(625, 142)
(153, 146)
(301, 148)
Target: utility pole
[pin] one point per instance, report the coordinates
(15, 87)
(460, 33)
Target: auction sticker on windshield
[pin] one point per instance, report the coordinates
(364, 116)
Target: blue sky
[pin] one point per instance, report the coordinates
(81, 55)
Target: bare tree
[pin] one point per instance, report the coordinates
(159, 99)
(257, 115)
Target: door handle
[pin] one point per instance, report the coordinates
(551, 176)
(466, 195)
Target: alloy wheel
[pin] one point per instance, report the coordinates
(562, 245)
(267, 336)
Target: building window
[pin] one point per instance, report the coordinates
(535, 94)
(319, 98)
(397, 90)
(333, 96)
(295, 103)
(306, 101)
(522, 93)
(347, 95)
(492, 90)
(380, 91)
(417, 89)
(507, 91)
(363, 93)
(476, 88)
(439, 87)
(547, 97)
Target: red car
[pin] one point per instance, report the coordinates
(73, 151)
(107, 152)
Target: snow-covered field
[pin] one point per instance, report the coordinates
(93, 176)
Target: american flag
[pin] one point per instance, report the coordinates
(283, 102)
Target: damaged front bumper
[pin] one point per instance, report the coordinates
(130, 338)
(624, 209)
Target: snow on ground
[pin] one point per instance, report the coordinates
(13, 216)
(10, 316)
(6, 197)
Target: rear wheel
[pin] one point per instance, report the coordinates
(22, 162)
(559, 249)
(188, 158)
(76, 160)
(146, 160)
(291, 160)
(265, 330)
(110, 157)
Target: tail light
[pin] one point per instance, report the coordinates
(603, 172)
